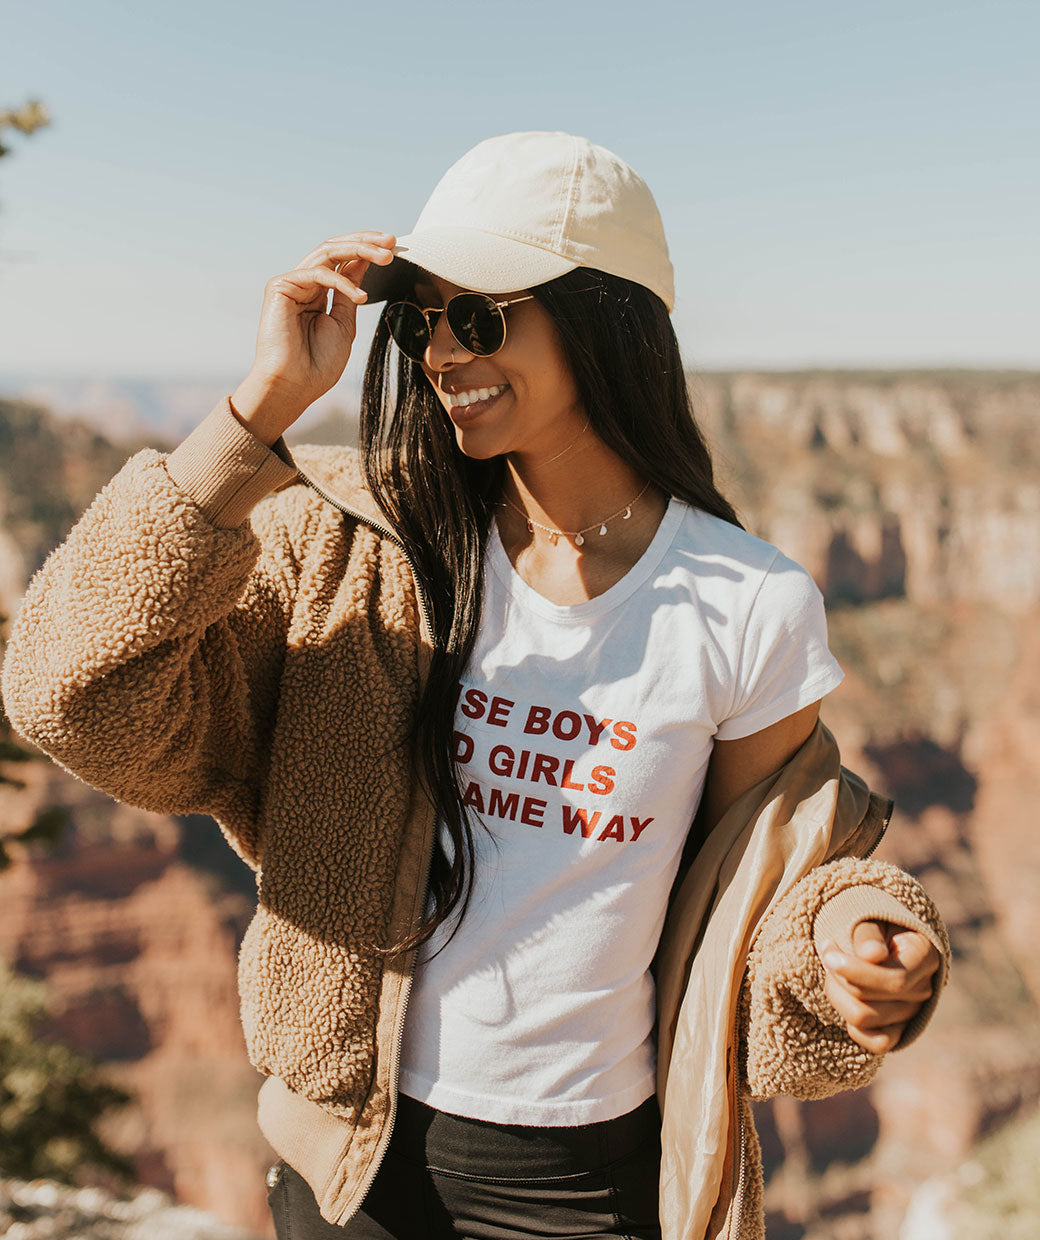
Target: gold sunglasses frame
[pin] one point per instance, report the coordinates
(425, 311)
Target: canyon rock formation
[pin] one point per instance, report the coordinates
(914, 501)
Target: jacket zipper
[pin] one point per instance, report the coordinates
(736, 1214)
(886, 819)
(395, 1064)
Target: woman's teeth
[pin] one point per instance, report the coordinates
(470, 398)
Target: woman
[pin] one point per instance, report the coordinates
(458, 706)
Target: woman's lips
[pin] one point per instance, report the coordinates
(461, 414)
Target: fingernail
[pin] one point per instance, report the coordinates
(833, 958)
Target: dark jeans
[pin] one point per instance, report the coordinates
(446, 1176)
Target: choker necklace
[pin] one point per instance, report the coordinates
(577, 536)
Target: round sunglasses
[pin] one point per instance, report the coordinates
(477, 322)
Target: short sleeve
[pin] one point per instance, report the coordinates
(784, 662)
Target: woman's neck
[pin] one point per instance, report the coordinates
(581, 486)
(563, 522)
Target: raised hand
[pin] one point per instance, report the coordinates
(302, 349)
(880, 987)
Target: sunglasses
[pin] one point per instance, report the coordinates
(477, 322)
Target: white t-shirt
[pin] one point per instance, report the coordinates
(583, 736)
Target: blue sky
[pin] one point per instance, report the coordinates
(841, 184)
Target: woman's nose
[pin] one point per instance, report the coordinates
(444, 351)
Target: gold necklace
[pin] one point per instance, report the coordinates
(578, 536)
(568, 447)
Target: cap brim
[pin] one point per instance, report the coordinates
(475, 260)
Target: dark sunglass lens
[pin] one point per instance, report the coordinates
(408, 329)
(476, 323)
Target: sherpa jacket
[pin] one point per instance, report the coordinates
(227, 631)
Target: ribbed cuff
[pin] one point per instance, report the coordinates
(225, 469)
(841, 914)
(311, 1141)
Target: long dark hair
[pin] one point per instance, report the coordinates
(619, 342)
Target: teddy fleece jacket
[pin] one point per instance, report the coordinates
(233, 631)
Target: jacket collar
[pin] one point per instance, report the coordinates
(335, 472)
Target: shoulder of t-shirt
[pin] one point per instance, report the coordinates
(777, 639)
(760, 564)
(706, 536)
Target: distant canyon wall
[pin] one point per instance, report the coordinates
(913, 499)
(915, 486)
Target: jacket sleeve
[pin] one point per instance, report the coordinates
(796, 1042)
(146, 655)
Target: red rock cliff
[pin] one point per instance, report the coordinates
(913, 499)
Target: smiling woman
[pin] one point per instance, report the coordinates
(508, 385)
(516, 724)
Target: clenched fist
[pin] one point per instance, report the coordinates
(882, 986)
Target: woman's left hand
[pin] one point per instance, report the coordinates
(879, 988)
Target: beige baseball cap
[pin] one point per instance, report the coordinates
(524, 208)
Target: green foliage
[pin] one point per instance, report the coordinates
(50, 822)
(51, 1096)
(31, 116)
(1000, 1197)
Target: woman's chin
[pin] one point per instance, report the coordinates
(478, 435)
(474, 445)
